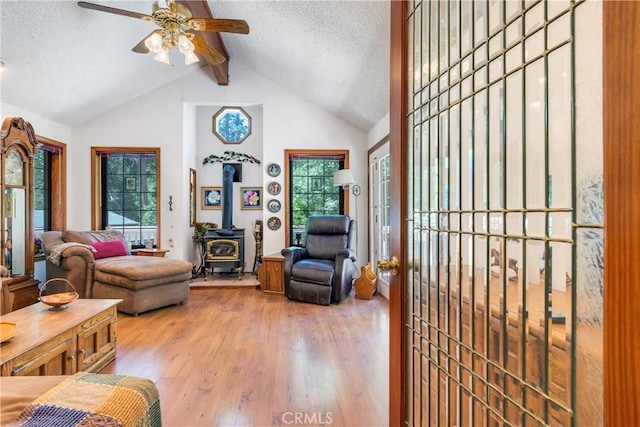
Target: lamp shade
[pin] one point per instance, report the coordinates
(163, 56)
(190, 58)
(185, 45)
(342, 178)
(154, 42)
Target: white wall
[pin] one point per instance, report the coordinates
(41, 125)
(210, 174)
(378, 131)
(164, 118)
(153, 120)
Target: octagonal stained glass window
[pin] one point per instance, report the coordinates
(232, 125)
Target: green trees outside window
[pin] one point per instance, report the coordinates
(312, 191)
(232, 125)
(41, 189)
(129, 204)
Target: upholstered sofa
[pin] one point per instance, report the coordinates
(99, 264)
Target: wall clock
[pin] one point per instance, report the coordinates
(13, 169)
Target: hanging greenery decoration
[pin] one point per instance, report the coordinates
(230, 155)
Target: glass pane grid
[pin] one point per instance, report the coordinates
(313, 192)
(494, 294)
(129, 201)
(42, 190)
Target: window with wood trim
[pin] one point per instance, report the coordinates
(41, 190)
(48, 185)
(311, 190)
(126, 193)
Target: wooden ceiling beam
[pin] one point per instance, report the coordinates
(200, 9)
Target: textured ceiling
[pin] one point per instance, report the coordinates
(71, 64)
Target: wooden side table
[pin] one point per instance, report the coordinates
(271, 273)
(150, 252)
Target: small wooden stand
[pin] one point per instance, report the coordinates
(271, 273)
(150, 252)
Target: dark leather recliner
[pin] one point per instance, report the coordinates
(322, 272)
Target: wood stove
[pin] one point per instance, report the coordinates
(224, 247)
(224, 251)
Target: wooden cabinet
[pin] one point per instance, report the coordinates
(54, 357)
(17, 148)
(80, 338)
(271, 273)
(96, 340)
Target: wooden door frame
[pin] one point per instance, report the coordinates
(621, 19)
(398, 211)
(370, 197)
(58, 190)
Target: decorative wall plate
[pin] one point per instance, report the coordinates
(274, 205)
(274, 223)
(273, 169)
(274, 188)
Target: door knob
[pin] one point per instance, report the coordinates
(392, 265)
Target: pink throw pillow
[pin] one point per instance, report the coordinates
(109, 248)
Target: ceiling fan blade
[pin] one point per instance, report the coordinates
(239, 26)
(114, 10)
(210, 54)
(141, 47)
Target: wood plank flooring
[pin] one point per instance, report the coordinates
(241, 357)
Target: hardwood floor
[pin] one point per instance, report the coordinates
(241, 357)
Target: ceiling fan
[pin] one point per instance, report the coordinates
(177, 26)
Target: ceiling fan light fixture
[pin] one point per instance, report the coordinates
(185, 45)
(190, 58)
(163, 56)
(154, 42)
(176, 22)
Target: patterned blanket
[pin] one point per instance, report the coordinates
(56, 253)
(86, 399)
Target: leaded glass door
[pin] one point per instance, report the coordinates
(503, 206)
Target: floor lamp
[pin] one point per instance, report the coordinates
(344, 178)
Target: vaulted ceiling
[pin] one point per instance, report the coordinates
(72, 64)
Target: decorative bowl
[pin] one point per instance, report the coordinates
(58, 293)
(7, 331)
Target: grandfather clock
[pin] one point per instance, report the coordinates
(17, 150)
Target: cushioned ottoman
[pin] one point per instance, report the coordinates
(143, 283)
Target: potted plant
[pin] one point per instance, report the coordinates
(201, 229)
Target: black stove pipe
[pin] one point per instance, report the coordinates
(227, 197)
